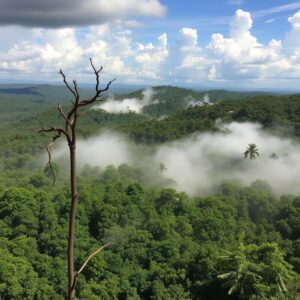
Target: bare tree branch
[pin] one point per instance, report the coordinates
(49, 146)
(94, 99)
(108, 85)
(63, 114)
(53, 129)
(97, 75)
(69, 132)
(66, 83)
(76, 91)
(87, 260)
(49, 156)
(91, 256)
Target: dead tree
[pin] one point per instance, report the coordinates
(69, 132)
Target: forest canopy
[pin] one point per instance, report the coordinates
(239, 242)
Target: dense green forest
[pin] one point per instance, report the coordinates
(242, 242)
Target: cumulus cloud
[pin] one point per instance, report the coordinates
(292, 40)
(200, 163)
(238, 56)
(149, 58)
(128, 104)
(56, 13)
(241, 56)
(240, 24)
(189, 37)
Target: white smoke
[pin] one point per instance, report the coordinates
(205, 101)
(128, 104)
(201, 162)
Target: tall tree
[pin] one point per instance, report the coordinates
(162, 167)
(69, 132)
(251, 151)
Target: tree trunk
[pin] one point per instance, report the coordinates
(69, 132)
(71, 273)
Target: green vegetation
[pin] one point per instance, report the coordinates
(239, 243)
(172, 99)
(165, 244)
(21, 101)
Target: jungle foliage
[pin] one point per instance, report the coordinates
(238, 243)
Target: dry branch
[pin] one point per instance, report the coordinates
(91, 256)
(69, 132)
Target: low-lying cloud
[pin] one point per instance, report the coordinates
(128, 104)
(205, 101)
(200, 163)
(116, 106)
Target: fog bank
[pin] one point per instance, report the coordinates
(128, 104)
(205, 101)
(201, 162)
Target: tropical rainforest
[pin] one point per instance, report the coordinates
(238, 242)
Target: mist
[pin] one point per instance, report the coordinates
(128, 104)
(201, 162)
(205, 101)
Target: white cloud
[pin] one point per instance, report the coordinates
(188, 37)
(225, 58)
(242, 56)
(149, 58)
(278, 9)
(240, 24)
(292, 40)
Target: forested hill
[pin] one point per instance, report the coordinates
(167, 100)
(281, 114)
(240, 243)
(19, 101)
(166, 92)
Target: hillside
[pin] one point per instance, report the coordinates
(19, 101)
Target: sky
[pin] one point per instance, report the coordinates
(237, 44)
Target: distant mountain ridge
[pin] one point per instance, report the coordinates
(21, 100)
(20, 91)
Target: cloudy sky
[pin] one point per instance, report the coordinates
(216, 43)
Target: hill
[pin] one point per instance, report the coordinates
(19, 101)
(22, 101)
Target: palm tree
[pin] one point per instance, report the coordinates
(251, 151)
(253, 264)
(162, 167)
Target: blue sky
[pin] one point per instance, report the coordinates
(218, 43)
